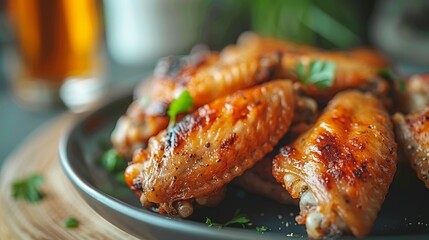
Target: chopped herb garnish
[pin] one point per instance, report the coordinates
(318, 73)
(237, 218)
(71, 222)
(112, 161)
(209, 223)
(180, 105)
(388, 74)
(28, 188)
(261, 229)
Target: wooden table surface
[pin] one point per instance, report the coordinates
(45, 219)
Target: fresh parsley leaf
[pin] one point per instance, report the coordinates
(112, 161)
(261, 229)
(318, 73)
(209, 222)
(28, 188)
(181, 104)
(71, 222)
(236, 219)
(388, 74)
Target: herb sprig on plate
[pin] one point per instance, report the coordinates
(237, 219)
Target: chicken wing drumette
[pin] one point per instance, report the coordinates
(342, 167)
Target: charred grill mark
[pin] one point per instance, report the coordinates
(360, 172)
(339, 161)
(180, 69)
(228, 142)
(177, 135)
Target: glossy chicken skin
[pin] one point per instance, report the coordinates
(207, 78)
(354, 68)
(211, 146)
(350, 72)
(413, 134)
(342, 167)
(259, 179)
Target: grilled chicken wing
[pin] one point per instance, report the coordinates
(210, 147)
(349, 72)
(342, 167)
(206, 78)
(413, 134)
(355, 68)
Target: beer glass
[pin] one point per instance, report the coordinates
(57, 42)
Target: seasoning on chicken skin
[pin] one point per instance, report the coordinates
(259, 179)
(349, 72)
(210, 147)
(413, 134)
(342, 167)
(206, 78)
(354, 68)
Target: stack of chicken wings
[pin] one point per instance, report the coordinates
(291, 122)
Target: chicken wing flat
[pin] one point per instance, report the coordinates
(413, 134)
(354, 68)
(210, 147)
(350, 72)
(342, 167)
(206, 78)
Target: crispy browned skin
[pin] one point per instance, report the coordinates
(211, 146)
(210, 75)
(342, 167)
(354, 68)
(415, 96)
(413, 134)
(206, 78)
(349, 72)
(259, 179)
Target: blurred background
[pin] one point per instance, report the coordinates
(60, 55)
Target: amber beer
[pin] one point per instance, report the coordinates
(57, 39)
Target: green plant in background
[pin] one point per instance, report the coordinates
(328, 24)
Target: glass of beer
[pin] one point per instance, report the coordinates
(57, 42)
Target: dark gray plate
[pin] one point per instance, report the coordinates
(405, 213)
